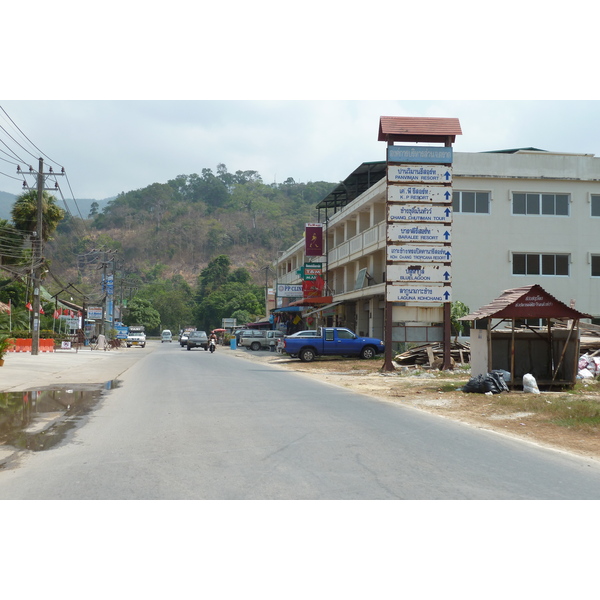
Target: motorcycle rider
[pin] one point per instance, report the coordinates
(212, 342)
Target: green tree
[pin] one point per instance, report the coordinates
(458, 310)
(93, 209)
(214, 275)
(24, 213)
(141, 312)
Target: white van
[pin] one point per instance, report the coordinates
(166, 336)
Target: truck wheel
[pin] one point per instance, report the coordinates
(189, 347)
(307, 355)
(255, 346)
(368, 352)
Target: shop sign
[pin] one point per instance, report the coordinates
(289, 291)
(312, 271)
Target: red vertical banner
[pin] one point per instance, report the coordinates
(313, 241)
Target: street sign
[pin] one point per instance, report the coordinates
(94, 312)
(419, 173)
(420, 154)
(419, 272)
(419, 212)
(419, 193)
(408, 252)
(422, 232)
(419, 293)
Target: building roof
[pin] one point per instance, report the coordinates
(359, 181)
(418, 129)
(514, 151)
(527, 302)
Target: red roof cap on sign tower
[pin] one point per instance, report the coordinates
(418, 129)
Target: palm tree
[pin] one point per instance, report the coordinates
(24, 213)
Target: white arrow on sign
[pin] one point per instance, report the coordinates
(426, 213)
(422, 232)
(419, 193)
(408, 252)
(419, 173)
(418, 293)
(419, 272)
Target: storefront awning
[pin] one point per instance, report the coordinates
(293, 309)
(316, 310)
(311, 301)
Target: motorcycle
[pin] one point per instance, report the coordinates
(212, 346)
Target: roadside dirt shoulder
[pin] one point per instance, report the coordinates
(513, 413)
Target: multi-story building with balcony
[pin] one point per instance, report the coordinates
(520, 217)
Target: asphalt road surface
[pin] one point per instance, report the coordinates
(191, 425)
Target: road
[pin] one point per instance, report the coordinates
(191, 425)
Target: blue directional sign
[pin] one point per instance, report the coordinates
(420, 154)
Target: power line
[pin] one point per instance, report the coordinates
(23, 134)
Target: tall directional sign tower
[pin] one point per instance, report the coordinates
(419, 223)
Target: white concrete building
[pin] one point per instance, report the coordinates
(520, 217)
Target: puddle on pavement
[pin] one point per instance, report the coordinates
(40, 419)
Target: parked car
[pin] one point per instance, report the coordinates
(238, 335)
(248, 336)
(333, 341)
(197, 339)
(305, 333)
(166, 336)
(257, 339)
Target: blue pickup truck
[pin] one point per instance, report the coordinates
(332, 341)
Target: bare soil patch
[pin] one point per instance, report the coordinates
(512, 413)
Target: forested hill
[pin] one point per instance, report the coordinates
(184, 223)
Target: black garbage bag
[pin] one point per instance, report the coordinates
(491, 382)
(494, 382)
(475, 385)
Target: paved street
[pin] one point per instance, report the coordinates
(191, 425)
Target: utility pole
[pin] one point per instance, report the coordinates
(37, 262)
(38, 252)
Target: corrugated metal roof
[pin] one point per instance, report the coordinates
(424, 129)
(527, 302)
(359, 181)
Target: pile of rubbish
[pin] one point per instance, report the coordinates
(588, 366)
(491, 383)
(495, 382)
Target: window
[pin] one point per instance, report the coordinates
(541, 264)
(595, 206)
(541, 204)
(471, 202)
(595, 265)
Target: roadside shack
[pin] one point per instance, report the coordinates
(503, 338)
